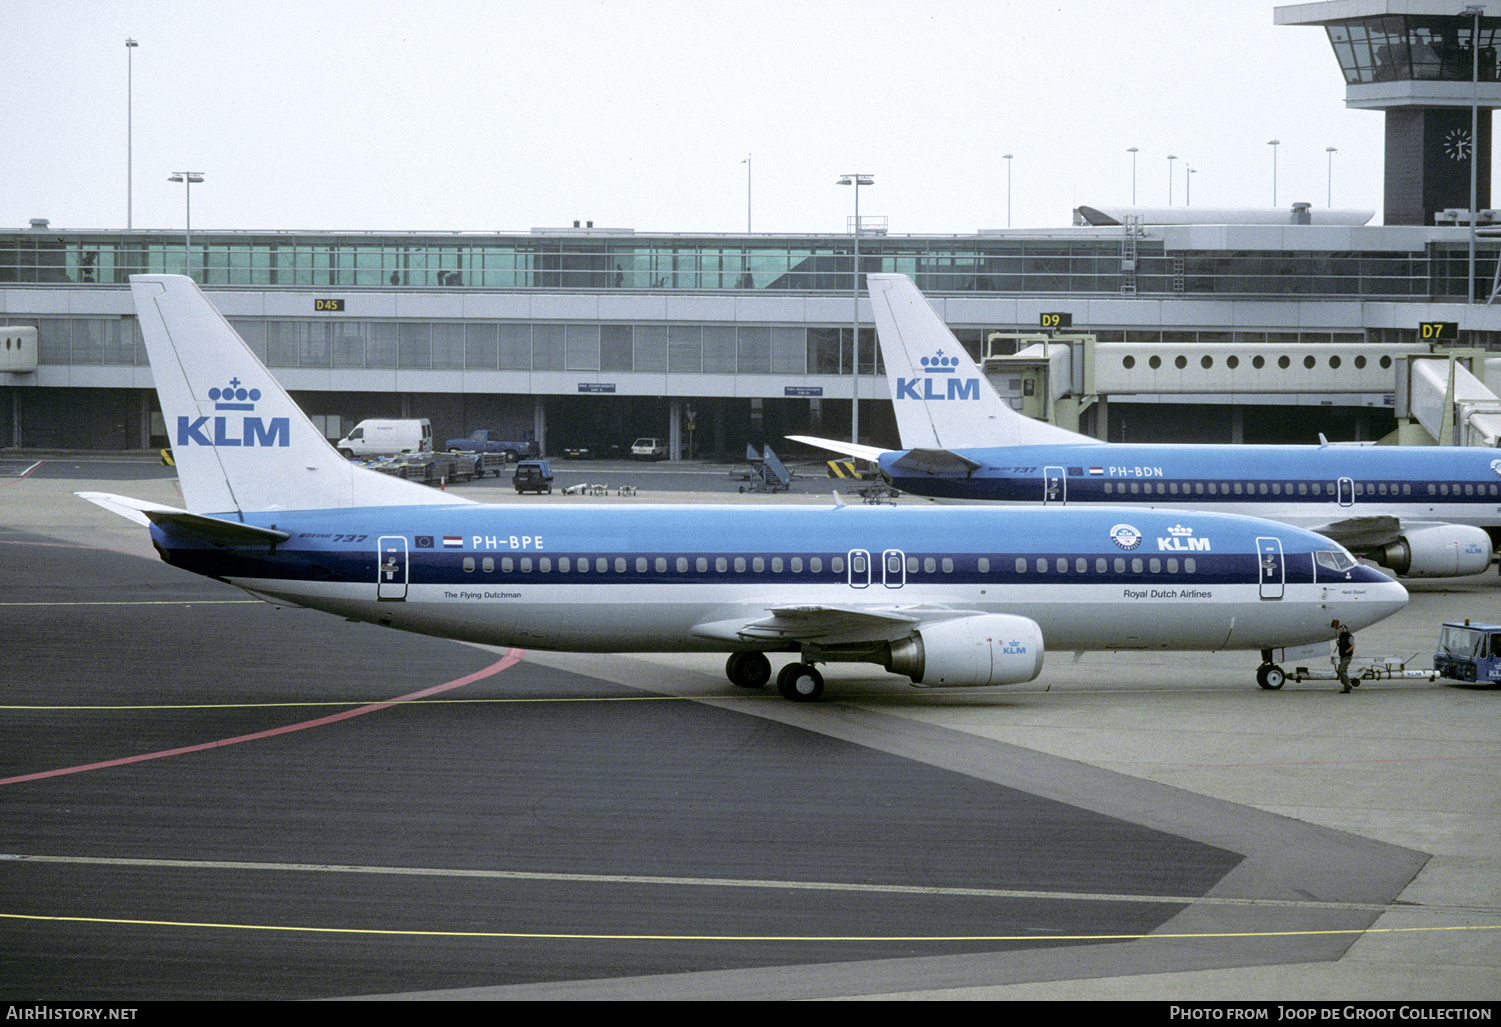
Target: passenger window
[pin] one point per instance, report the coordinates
(701, 564)
(469, 564)
(1136, 565)
(929, 565)
(948, 565)
(1021, 565)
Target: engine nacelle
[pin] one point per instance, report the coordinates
(986, 649)
(1437, 551)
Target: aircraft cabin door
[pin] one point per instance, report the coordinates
(859, 569)
(391, 569)
(893, 568)
(1347, 492)
(1054, 486)
(1269, 554)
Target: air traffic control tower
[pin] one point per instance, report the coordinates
(1416, 60)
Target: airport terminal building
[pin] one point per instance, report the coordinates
(592, 337)
(585, 336)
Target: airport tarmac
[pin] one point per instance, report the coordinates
(208, 797)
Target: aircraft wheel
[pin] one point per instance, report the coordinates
(1270, 676)
(800, 683)
(748, 670)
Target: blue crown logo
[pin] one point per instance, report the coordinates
(234, 397)
(940, 364)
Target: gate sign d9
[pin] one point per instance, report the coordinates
(1060, 320)
(1439, 331)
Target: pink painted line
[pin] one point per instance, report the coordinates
(511, 658)
(22, 477)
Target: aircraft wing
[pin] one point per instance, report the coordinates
(871, 453)
(209, 529)
(1360, 534)
(828, 625)
(935, 461)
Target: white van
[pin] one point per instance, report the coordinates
(378, 437)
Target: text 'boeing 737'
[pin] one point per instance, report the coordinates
(948, 597)
(1422, 511)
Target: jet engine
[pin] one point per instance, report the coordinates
(984, 649)
(1437, 551)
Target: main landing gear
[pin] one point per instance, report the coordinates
(748, 670)
(800, 682)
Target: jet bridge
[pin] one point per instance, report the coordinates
(1441, 395)
(1436, 395)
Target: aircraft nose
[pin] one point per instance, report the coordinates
(1383, 599)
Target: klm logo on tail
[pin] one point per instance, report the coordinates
(249, 431)
(927, 387)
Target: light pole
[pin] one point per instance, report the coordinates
(1274, 143)
(857, 181)
(747, 163)
(187, 178)
(1188, 185)
(1474, 11)
(1170, 158)
(130, 45)
(1329, 199)
(1132, 151)
(1007, 158)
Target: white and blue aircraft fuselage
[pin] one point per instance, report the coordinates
(945, 596)
(1419, 510)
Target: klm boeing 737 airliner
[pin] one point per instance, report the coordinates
(946, 597)
(1422, 511)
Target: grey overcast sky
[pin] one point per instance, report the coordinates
(462, 115)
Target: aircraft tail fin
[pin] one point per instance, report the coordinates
(239, 442)
(942, 400)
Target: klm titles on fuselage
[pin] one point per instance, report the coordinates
(253, 431)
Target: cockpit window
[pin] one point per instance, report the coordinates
(1334, 559)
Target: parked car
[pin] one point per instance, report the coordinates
(649, 449)
(533, 476)
(487, 441)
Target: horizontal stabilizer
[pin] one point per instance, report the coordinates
(208, 529)
(871, 453)
(935, 461)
